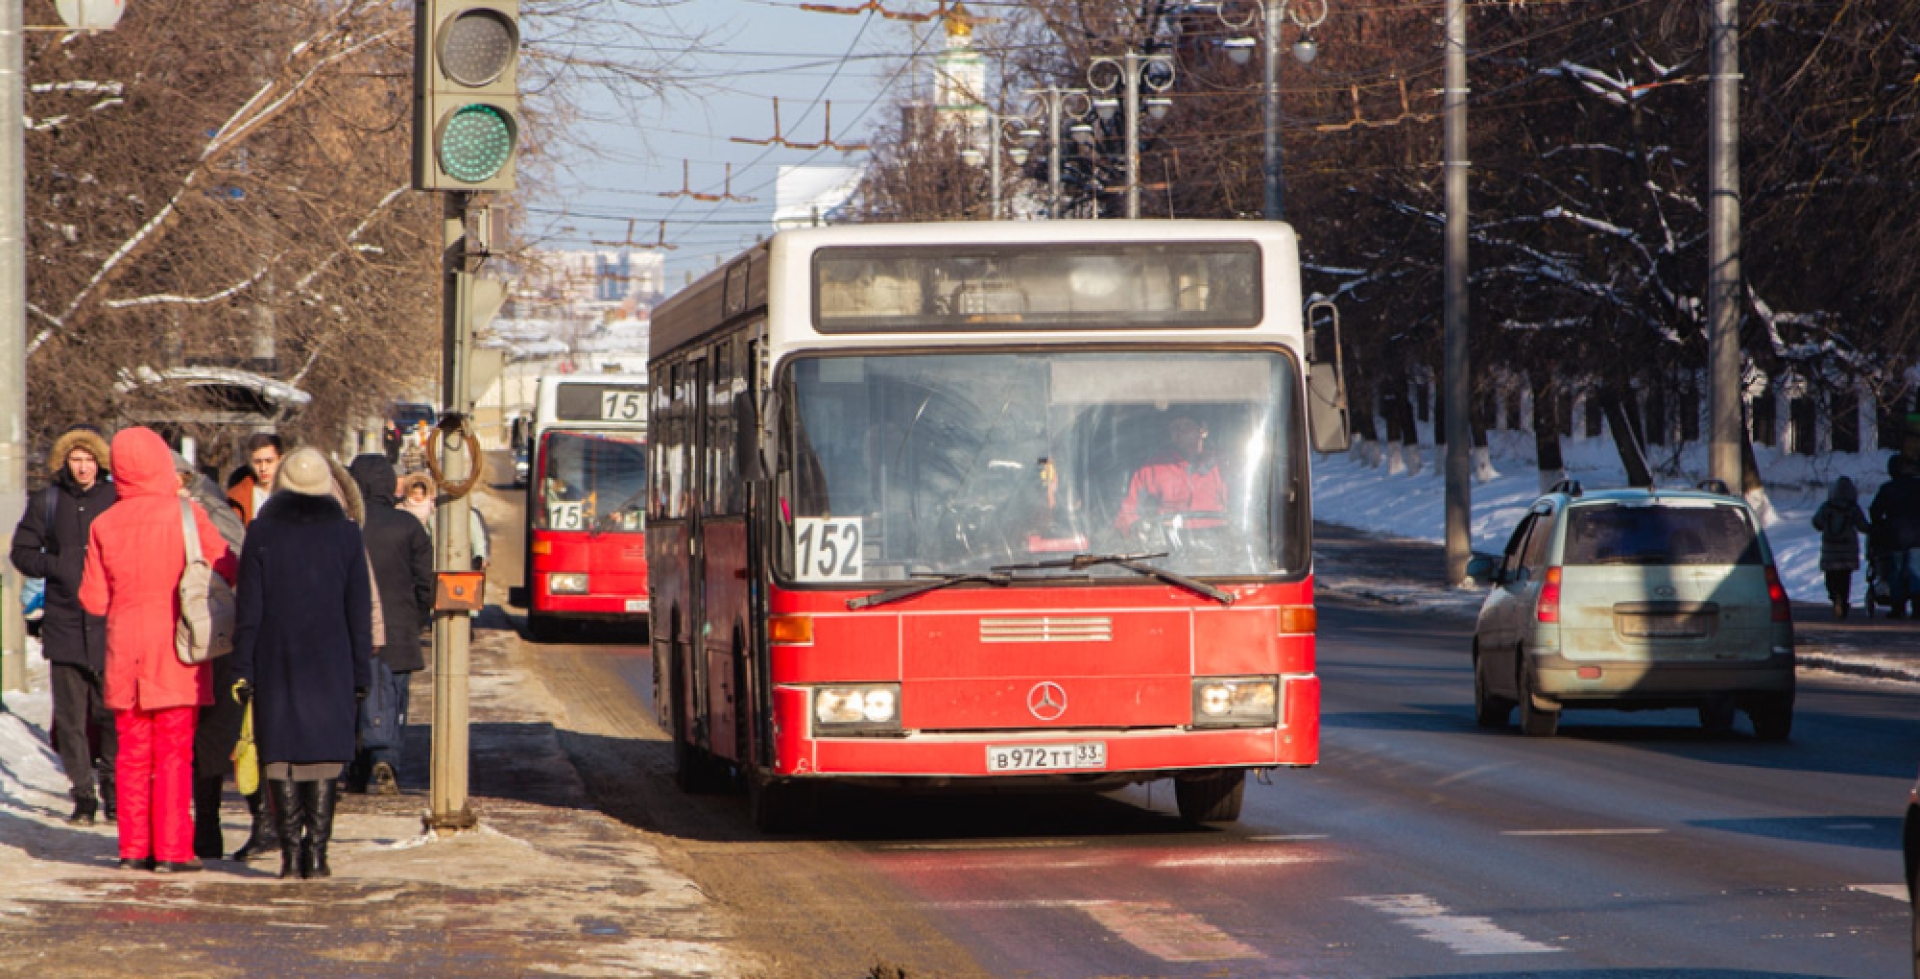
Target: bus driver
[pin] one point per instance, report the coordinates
(1181, 480)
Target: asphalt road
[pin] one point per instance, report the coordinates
(1630, 847)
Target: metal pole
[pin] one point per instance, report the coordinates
(1459, 490)
(1276, 182)
(993, 168)
(13, 325)
(1132, 81)
(1723, 243)
(1053, 153)
(453, 551)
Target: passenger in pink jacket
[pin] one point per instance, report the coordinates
(136, 554)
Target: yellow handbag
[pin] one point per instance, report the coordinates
(246, 759)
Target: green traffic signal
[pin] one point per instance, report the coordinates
(475, 142)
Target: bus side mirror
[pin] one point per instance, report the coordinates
(1326, 381)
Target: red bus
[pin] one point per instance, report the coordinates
(991, 503)
(586, 558)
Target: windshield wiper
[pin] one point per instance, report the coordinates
(922, 587)
(1081, 562)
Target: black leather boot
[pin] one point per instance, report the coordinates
(208, 844)
(264, 837)
(109, 799)
(318, 799)
(85, 806)
(283, 802)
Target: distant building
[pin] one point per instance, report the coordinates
(808, 196)
(960, 80)
(591, 284)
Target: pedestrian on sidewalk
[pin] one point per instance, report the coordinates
(1840, 522)
(1896, 526)
(403, 580)
(218, 727)
(51, 543)
(303, 638)
(417, 497)
(136, 554)
(253, 489)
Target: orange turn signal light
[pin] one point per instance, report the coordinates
(542, 547)
(1298, 620)
(790, 630)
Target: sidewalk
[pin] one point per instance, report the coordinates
(548, 885)
(1353, 564)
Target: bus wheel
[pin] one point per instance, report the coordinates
(694, 770)
(1214, 798)
(779, 806)
(542, 628)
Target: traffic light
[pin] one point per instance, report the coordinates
(466, 99)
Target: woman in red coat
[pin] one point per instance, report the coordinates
(137, 552)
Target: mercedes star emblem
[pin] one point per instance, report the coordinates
(1047, 701)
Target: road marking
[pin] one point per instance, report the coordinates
(1582, 832)
(1237, 859)
(1013, 860)
(1849, 827)
(1168, 934)
(1296, 838)
(1465, 934)
(1896, 891)
(987, 845)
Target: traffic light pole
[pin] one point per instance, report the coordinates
(452, 631)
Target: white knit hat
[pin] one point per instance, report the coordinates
(304, 471)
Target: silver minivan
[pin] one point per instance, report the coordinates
(1634, 600)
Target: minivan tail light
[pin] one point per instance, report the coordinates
(1777, 597)
(1548, 608)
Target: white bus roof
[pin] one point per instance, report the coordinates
(584, 407)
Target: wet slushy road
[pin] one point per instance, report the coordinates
(1634, 846)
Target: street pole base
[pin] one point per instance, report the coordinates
(450, 824)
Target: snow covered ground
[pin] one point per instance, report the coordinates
(1409, 503)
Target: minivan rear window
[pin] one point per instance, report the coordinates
(1615, 534)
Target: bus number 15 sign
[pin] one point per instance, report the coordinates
(622, 405)
(826, 550)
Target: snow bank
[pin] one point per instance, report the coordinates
(1349, 492)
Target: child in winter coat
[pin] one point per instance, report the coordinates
(1840, 522)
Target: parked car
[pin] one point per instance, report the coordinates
(1634, 599)
(1910, 852)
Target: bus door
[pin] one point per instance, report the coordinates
(699, 669)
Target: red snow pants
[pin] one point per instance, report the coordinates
(155, 776)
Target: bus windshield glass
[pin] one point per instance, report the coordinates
(592, 482)
(899, 466)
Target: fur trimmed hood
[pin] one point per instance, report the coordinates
(347, 491)
(80, 438)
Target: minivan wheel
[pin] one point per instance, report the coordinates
(1534, 722)
(1772, 716)
(1489, 709)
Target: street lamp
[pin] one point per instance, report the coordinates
(1128, 74)
(1060, 104)
(1306, 15)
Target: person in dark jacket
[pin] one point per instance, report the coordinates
(218, 727)
(51, 543)
(1840, 522)
(403, 577)
(1896, 527)
(303, 642)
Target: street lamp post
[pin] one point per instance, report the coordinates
(1129, 72)
(997, 126)
(1059, 104)
(1271, 14)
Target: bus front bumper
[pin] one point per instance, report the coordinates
(1126, 754)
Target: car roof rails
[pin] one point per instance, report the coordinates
(1571, 487)
(1713, 486)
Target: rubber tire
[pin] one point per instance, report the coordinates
(1716, 715)
(695, 771)
(1534, 722)
(1772, 716)
(779, 806)
(1489, 709)
(1214, 798)
(542, 628)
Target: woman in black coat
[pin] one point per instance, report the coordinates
(303, 639)
(402, 557)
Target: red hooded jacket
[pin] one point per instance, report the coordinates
(136, 553)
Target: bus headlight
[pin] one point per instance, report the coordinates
(1236, 701)
(572, 583)
(866, 707)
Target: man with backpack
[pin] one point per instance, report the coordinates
(51, 543)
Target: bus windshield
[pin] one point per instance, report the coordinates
(591, 482)
(897, 466)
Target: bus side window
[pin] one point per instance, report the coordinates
(718, 464)
(660, 398)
